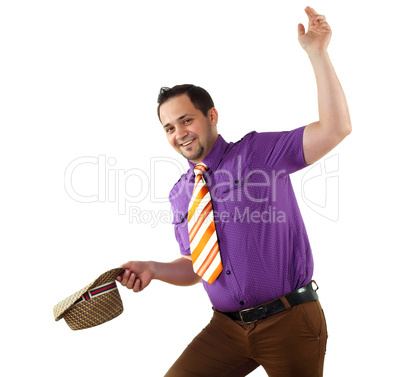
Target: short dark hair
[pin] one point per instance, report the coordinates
(198, 96)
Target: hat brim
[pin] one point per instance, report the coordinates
(97, 310)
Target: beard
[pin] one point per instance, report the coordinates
(194, 156)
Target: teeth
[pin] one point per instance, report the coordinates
(187, 143)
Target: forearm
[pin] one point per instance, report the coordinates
(178, 272)
(332, 106)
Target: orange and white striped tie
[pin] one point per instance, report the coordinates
(203, 239)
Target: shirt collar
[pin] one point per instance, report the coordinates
(214, 157)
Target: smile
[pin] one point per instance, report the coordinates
(187, 143)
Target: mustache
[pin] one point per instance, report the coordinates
(185, 140)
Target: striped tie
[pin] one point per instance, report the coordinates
(203, 240)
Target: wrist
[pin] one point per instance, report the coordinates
(153, 269)
(317, 54)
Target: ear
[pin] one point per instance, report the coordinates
(213, 116)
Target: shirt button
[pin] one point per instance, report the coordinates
(228, 272)
(236, 181)
(241, 302)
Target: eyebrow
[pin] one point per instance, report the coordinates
(179, 118)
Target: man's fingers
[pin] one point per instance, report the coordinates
(311, 11)
(131, 281)
(321, 26)
(124, 278)
(319, 18)
(313, 15)
(318, 22)
(137, 285)
(310, 15)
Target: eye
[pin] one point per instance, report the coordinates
(187, 121)
(169, 129)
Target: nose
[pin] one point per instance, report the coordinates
(181, 133)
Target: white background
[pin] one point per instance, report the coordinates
(81, 78)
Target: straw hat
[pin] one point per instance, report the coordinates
(97, 303)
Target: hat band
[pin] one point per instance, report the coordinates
(98, 291)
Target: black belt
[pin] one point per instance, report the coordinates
(299, 296)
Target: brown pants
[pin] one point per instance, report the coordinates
(288, 344)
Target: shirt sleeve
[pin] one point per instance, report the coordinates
(279, 150)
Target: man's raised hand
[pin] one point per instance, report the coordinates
(318, 34)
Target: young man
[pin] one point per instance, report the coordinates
(241, 233)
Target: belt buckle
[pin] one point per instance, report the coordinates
(241, 316)
(315, 290)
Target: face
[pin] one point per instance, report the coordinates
(188, 131)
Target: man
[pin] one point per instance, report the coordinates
(241, 233)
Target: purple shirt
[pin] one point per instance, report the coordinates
(263, 242)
